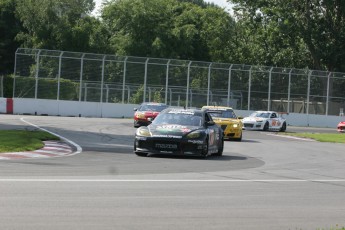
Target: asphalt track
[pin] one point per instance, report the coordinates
(264, 182)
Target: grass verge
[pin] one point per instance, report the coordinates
(322, 137)
(22, 140)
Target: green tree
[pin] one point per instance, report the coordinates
(61, 25)
(168, 29)
(9, 27)
(312, 31)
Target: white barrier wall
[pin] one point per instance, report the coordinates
(3, 105)
(71, 108)
(95, 109)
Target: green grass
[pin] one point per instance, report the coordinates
(322, 137)
(22, 140)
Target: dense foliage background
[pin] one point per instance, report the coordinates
(294, 33)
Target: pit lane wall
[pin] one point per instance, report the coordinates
(27, 106)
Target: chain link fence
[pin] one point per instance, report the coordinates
(62, 75)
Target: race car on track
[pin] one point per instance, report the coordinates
(341, 127)
(183, 132)
(265, 120)
(226, 118)
(147, 112)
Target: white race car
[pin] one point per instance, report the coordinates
(265, 120)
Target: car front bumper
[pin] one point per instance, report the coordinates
(181, 147)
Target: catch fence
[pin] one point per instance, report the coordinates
(63, 75)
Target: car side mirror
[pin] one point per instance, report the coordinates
(135, 109)
(210, 123)
(150, 119)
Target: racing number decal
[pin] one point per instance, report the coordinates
(276, 122)
(211, 137)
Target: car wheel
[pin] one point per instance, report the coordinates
(140, 154)
(283, 128)
(204, 152)
(266, 126)
(220, 148)
(136, 125)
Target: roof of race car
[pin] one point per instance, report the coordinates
(182, 111)
(220, 108)
(152, 103)
(264, 111)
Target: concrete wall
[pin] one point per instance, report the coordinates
(71, 108)
(109, 110)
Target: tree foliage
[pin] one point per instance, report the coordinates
(9, 28)
(168, 28)
(282, 33)
(311, 32)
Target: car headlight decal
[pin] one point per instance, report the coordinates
(143, 132)
(140, 115)
(194, 135)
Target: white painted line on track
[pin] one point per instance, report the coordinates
(291, 137)
(78, 147)
(147, 180)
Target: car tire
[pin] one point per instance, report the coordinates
(204, 152)
(283, 128)
(140, 154)
(266, 126)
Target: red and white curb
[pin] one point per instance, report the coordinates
(50, 149)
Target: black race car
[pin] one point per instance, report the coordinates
(184, 132)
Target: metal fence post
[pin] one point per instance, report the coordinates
(187, 90)
(14, 74)
(145, 79)
(229, 84)
(81, 76)
(167, 82)
(327, 99)
(269, 89)
(124, 79)
(208, 83)
(289, 91)
(59, 76)
(308, 91)
(102, 80)
(249, 86)
(37, 71)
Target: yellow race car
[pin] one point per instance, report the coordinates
(226, 118)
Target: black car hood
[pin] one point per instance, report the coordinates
(172, 130)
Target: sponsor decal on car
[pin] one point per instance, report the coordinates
(195, 141)
(165, 146)
(170, 128)
(178, 111)
(168, 136)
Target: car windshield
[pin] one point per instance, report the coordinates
(153, 107)
(179, 119)
(260, 114)
(223, 114)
